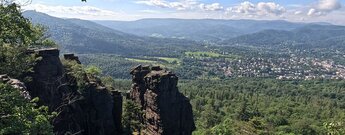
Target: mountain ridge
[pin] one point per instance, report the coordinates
(197, 29)
(81, 36)
(312, 35)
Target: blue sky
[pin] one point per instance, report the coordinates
(292, 10)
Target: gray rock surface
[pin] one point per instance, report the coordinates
(166, 110)
(96, 111)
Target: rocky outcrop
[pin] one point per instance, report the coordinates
(48, 81)
(95, 111)
(71, 57)
(166, 110)
(16, 84)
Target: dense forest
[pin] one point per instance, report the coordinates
(263, 106)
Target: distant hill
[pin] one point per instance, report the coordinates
(81, 36)
(312, 35)
(197, 29)
(172, 37)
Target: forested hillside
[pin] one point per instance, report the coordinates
(197, 29)
(310, 36)
(83, 36)
(42, 93)
(279, 49)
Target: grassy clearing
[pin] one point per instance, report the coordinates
(170, 60)
(147, 62)
(163, 62)
(141, 60)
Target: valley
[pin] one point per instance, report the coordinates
(274, 49)
(171, 76)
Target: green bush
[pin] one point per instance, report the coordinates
(21, 116)
(17, 35)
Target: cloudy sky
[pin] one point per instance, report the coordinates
(332, 11)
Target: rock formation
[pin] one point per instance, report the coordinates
(166, 110)
(71, 57)
(48, 79)
(96, 111)
(93, 109)
(16, 84)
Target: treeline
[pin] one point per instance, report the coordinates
(111, 65)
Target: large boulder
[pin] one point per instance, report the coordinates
(166, 110)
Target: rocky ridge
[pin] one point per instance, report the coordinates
(166, 110)
(96, 111)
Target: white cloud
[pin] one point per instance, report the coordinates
(19, 2)
(298, 12)
(323, 7)
(211, 7)
(328, 5)
(245, 8)
(178, 5)
(158, 3)
(315, 12)
(83, 12)
(270, 8)
(150, 11)
(321, 10)
(259, 9)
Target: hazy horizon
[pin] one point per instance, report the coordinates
(95, 20)
(308, 11)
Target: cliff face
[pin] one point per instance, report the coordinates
(166, 110)
(97, 111)
(48, 80)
